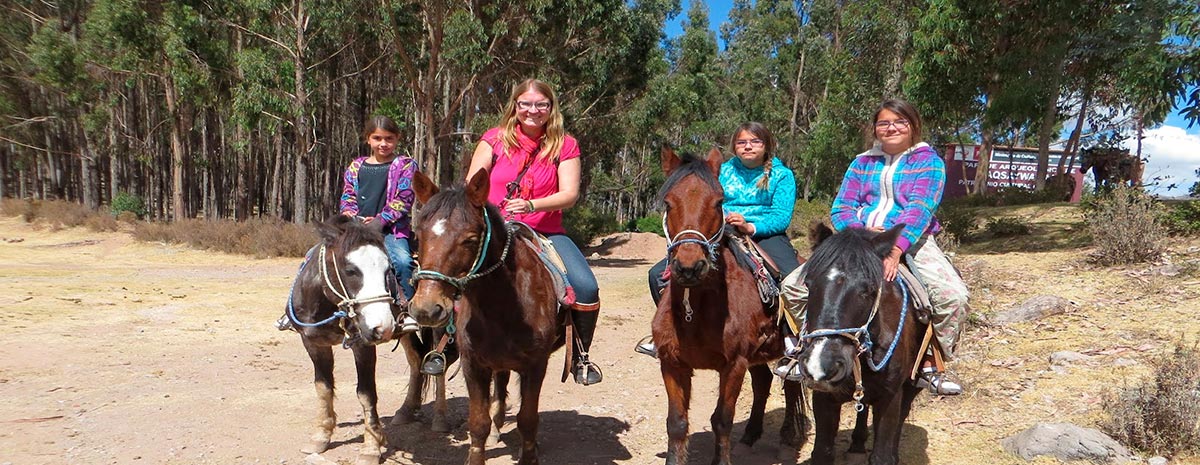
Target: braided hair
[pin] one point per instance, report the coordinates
(760, 132)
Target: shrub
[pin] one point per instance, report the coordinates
(584, 223)
(1126, 227)
(957, 218)
(651, 223)
(1007, 227)
(1183, 218)
(1160, 415)
(13, 207)
(126, 202)
(947, 241)
(805, 214)
(100, 223)
(258, 237)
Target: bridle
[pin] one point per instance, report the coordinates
(347, 307)
(710, 244)
(861, 337)
(460, 283)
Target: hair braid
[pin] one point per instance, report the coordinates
(765, 182)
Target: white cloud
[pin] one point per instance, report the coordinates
(1174, 156)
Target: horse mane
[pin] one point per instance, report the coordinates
(852, 251)
(692, 164)
(452, 203)
(351, 231)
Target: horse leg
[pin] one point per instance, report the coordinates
(478, 382)
(722, 417)
(527, 417)
(440, 423)
(888, 421)
(322, 359)
(858, 438)
(373, 438)
(416, 385)
(794, 431)
(760, 384)
(827, 412)
(678, 382)
(499, 404)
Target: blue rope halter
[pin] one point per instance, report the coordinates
(461, 283)
(862, 336)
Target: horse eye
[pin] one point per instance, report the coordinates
(353, 271)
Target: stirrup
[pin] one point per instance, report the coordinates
(284, 323)
(788, 368)
(646, 347)
(936, 383)
(407, 325)
(434, 364)
(586, 372)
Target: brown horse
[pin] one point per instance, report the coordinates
(711, 316)
(858, 320)
(341, 297)
(476, 275)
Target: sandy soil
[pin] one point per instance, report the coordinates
(124, 352)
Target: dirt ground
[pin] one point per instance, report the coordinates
(117, 351)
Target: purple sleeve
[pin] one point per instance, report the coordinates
(844, 213)
(400, 196)
(349, 202)
(923, 185)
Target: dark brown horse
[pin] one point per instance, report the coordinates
(863, 342)
(507, 317)
(341, 297)
(711, 316)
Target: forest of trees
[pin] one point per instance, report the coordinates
(243, 108)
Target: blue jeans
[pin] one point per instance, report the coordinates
(401, 259)
(579, 274)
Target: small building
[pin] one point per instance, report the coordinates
(1009, 167)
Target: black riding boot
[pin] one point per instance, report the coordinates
(436, 363)
(586, 372)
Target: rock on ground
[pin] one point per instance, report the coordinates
(1033, 309)
(1066, 441)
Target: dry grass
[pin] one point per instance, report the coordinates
(1159, 414)
(259, 237)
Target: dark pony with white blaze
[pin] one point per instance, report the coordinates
(341, 297)
(712, 316)
(477, 274)
(862, 343)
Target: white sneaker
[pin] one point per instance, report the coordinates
(938, 383)
(408, 325)
(646, 347)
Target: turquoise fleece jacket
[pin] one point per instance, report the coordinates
(770, 210)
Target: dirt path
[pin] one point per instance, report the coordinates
(124, 352)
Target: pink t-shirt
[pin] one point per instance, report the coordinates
(540, 181)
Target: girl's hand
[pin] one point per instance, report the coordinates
(368, 219)
(891, 264)
(518, 206)
(739, 222)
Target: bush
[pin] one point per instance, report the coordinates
(1161, 415)
(957, 218)
(806, 213)
(1183, 218)
(258, 237)
(1007, 227)
(1126, 227)
(125, 202)
(651, 224)
(583, 223)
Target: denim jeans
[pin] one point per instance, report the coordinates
(579, 274)
(401, 259)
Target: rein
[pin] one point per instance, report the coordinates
(861, 337)
(461, 283)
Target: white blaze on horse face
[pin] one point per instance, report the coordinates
(813, 362)
(373, 263)
(832, 274)
(439, 227)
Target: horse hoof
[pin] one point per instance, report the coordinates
(316, 446)
(367, 459)
(404, 417)
(440, 425)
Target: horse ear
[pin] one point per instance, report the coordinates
(819, 233)
(886, 240)
(670, 161)
(714, 161)
(477, 188)
(423, 187)
(331, 228)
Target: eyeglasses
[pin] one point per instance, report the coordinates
(541, 106)
(745, 142)
(900, 125)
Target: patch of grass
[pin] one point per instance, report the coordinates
(259, 237)
(1160, 415)
(1007, 227)
(1183, 218)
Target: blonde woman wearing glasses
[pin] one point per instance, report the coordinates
(760, 194)
(534, 168)
(900, 180)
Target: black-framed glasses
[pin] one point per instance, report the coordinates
(900, 124)
(541, 106)
(745, 142)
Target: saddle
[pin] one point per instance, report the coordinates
(918, 295)
(550, 258)
(766, 272)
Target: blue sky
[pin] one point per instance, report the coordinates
(1173, 148)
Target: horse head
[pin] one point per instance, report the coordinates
(846, 288)
(692, 217)
(454, 230)
(354, 267)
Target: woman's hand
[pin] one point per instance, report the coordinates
(739, 222)
(891, 264)
(518, 206)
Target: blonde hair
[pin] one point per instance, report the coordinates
(552, 138)
(760, 131)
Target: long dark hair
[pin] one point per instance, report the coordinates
(379, 122)
(769, 145)
(904, 109)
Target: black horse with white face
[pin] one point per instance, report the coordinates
(862, 343)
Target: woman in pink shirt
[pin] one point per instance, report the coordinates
(535, 169)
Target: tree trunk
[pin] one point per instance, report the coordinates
(300, 191)
(1072, 147)
(1045, 135)
(178, 208)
